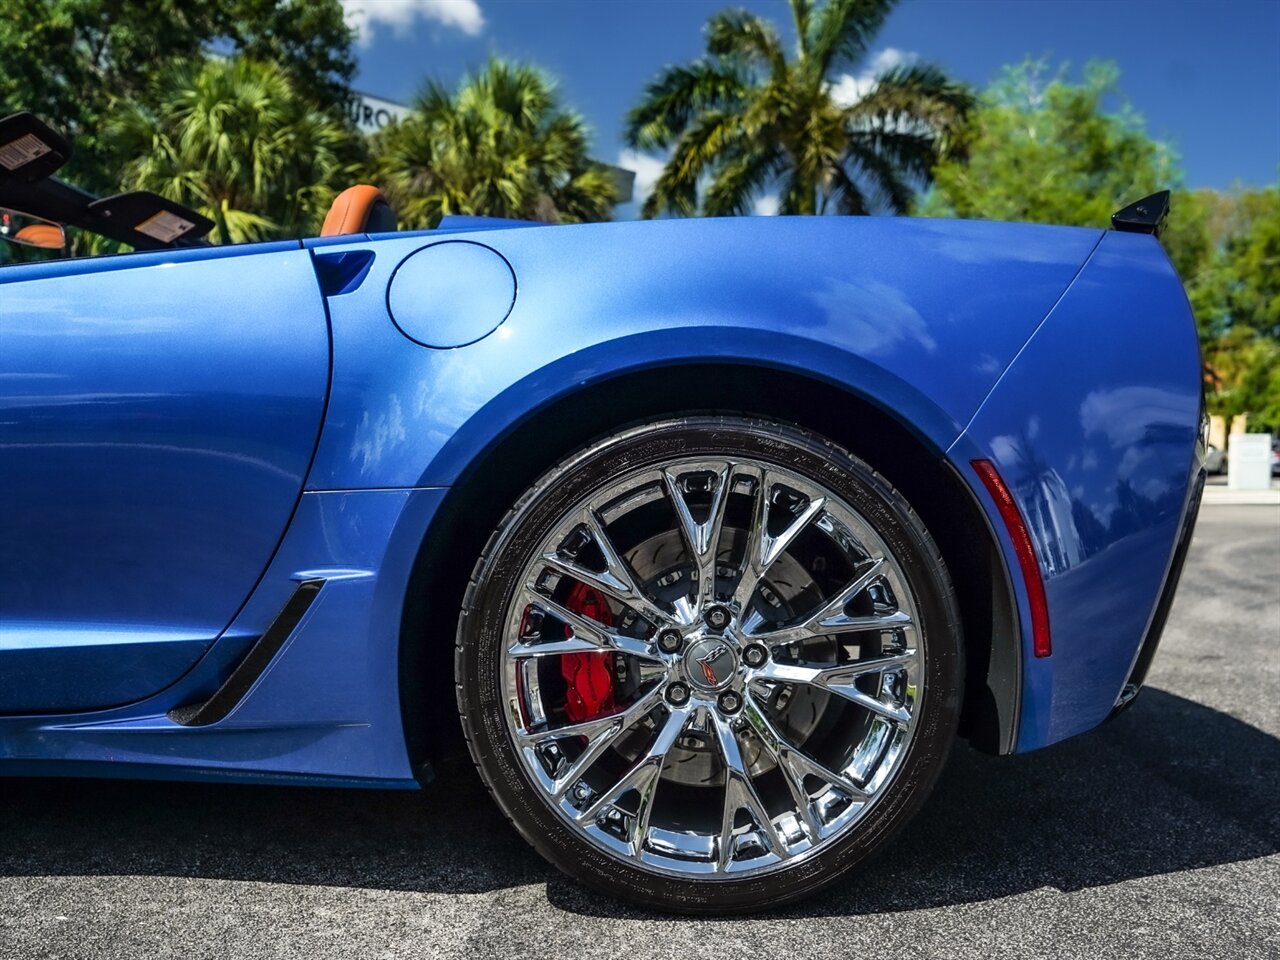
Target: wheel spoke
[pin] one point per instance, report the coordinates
(556, 648)
(645, 789)
(763, 548)
(588, 635)
(795, 765)
(647, 768)
(739, 794)
(615, 581)
(624, 720)
(601, 734)
(702, 539)
(829, 618)
(839, 679)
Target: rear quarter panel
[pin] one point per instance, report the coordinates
(1094, 429)
(919, 316)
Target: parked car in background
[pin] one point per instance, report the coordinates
(1215, 460)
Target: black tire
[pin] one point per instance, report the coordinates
(480, 637)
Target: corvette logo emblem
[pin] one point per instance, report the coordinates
(708, 664)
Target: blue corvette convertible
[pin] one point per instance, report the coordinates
(713, 533)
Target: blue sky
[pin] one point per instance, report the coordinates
(1205, 74)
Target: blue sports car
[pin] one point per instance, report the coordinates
(709, 536)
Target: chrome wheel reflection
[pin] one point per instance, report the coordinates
(712, 668)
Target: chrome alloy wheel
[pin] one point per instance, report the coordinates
(757, 673)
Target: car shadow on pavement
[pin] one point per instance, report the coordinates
(1169, 786)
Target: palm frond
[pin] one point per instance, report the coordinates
(707, 140)
(912, 154)
(846, 195)
(737, 33)
(885, 178)
(799, 194)
(841, 31)
(499, 144)
(801, 11)
(234, 139)
(739, 181)
(745, 116)
(678, 95)
(914, 97)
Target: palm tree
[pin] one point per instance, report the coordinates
(500, 145)
(745, 118)
(234, 140)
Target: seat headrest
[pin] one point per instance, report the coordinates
(41, 235)
(358, 209)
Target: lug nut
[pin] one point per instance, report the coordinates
(730, 702)
(669, 641)
(677, 694)
(755, 655)
(717, 617)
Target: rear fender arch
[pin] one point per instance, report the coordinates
(667, 358)
(493, 464)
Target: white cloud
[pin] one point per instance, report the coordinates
(849, 89)
(767, 206)
(890, 57)
(400, 15)
(647, 170)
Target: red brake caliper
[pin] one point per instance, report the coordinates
(588, 677)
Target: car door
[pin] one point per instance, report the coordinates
(158, 415)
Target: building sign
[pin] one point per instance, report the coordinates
(370, 114)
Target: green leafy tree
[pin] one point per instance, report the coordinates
(235, 140)
(1043, 150)
(1236, 295)
(73, 62)
(500, 145)
(747, 118)
(1252, 263)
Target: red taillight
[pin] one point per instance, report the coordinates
(1022, 546)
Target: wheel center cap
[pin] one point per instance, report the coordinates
(710, 664)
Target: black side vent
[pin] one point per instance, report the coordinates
(255, 661)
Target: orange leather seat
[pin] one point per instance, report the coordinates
(359, 209)
(44, 235)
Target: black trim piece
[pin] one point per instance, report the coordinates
(997, 709)
(233, 689)
(1148, 215)
(1151, 642)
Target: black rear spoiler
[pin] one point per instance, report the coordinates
(30, 152)
(1148, 215)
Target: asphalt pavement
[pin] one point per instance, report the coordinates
(1156, 836)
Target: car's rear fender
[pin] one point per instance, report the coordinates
(1094, 429)
(939, 307)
